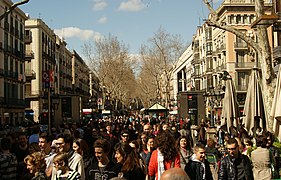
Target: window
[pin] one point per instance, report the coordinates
(209, 48)
(246, 19)
(231, 19)
(238, 19)
(240, 57)
(252, 18)
(243, 79)
(197, 70)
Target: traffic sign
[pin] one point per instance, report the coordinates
(46, 76)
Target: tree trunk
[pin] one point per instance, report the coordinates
(265, 58)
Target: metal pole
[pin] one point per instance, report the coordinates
(49, 110)
(212, 113)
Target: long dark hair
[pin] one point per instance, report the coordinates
(131, 160)
(188, 144)
(165, 142)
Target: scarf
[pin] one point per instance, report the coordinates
(161, 167)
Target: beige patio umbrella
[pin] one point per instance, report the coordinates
(254, 114)
(276, 108)
(230, 106)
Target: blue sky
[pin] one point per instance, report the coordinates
(133, 22)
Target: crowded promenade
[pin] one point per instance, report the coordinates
(136, 148)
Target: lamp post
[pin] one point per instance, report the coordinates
(12, 8)
(213, 98)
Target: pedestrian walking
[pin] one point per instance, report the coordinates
(129, 162)
(166, 155)
(184, 149)
(103, 168)
(198, 168)
(235, 165)
(261, 159)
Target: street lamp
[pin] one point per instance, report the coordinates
(12, 8)
(213, 98)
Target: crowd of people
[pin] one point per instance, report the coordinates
(134, 148)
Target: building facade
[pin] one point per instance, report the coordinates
(58, 87)
(12, 77)
(216, 51)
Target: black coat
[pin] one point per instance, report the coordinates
(195, 169)
(228, 170)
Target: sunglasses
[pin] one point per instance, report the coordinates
(125, 135)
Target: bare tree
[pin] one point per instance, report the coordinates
(262, 49)
(110, 61)
(147, 86)
(158, 59)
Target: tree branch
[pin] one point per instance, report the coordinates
(12, 8)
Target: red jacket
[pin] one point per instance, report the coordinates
(153, 164)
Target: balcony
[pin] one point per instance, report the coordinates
(32, 94)
(30, 74)
(240, 46)
(195, 61)
(13, 102)
(244, 65)
(29, 54)
(28, 39)
(277, 52)
(195, 75)
(209, 52)
(242, 88)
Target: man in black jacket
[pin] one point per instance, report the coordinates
(198, 168)
(235, 165)
(103, 168)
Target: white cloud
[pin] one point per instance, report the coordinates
(102, 20)
(99, 5)
(131, 5)
(75, 32)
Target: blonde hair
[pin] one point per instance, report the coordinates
(37, 160)
(61, 157)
